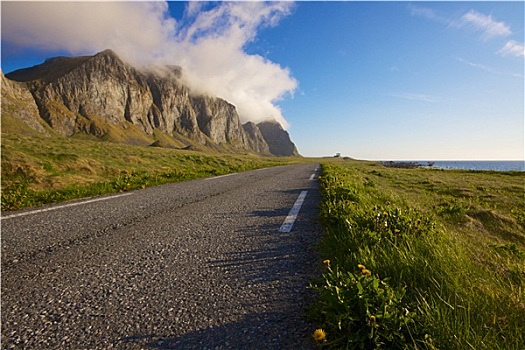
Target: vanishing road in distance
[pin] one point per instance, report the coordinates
(216, 263)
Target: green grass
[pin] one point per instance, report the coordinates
(446, 251)
(415, 258)
(38, 170)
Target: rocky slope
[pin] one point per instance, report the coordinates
(103, 96)
(278, 139)
(18, 105)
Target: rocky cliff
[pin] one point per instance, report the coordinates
(278, 139)
(103, 96)
(18, 105)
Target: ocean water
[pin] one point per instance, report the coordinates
(508, 165)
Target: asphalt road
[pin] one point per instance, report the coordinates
(203, 264)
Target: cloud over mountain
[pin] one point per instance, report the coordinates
(208, 42)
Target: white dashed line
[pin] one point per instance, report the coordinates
(292, 215)
(63, 206)
(218, 177)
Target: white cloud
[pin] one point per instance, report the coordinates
(513, 48)
(210, 48)
(476, 65)
(84, 27)
(208, 43)
(489, 69)
(489, 27)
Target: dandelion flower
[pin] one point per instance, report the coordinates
(326, 262)
(361, 267)
(319, 335)
(366, 272)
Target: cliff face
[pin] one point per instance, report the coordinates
(256, 139)
(278, 139)
(94, 94)
(18, 104)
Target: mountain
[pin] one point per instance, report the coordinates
(278, 139)
(106, 98)
(19, 111)
(256, 139)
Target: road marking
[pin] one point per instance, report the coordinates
(217, 177)
(312, 177)
(292, 215)
(63, 206)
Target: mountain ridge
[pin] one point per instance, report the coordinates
(103, 96)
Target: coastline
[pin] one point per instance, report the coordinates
(473, 165)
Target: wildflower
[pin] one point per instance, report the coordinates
(361, 267)
(429, 340)
(319, 335)
(326, 262)
(366, 272)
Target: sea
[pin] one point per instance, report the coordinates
(508, 165)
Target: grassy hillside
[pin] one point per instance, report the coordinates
(38, 170)
(420, 258)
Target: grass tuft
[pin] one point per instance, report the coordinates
(445, 252)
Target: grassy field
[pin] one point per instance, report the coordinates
(414, 258)
(38, 170)
(421, 258)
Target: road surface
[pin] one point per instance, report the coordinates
(217, 263)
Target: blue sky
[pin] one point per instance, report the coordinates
(371, 80)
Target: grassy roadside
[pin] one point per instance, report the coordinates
(38, 170)
(415, 258)
(420, 258)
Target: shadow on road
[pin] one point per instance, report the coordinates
(270, 282)
(254, 331)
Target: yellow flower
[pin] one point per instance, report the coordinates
(372, 319)
(326, 262)
(366, 272)
(319, 335)
(361, 267)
